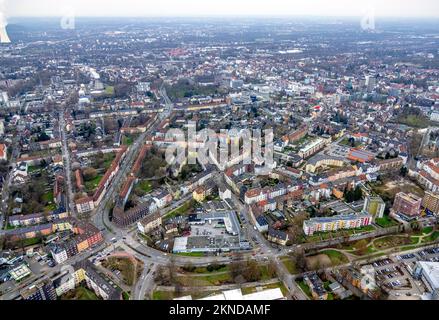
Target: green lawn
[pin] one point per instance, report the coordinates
(386, 222)
(180, 210)
(414, 240)
(191, 254)
(80, 293)
(31, 169)
(290, 265)
(108, 160)
(93, 184)
(47, 197)
(280, 285)
(50, 207)
(109, 90)
(29, 242)
(304, 288)
(433, 237)
(264, 273)
(145, 186)
(336, 257)
(127, 140)
(125, 295)
(414, 121)
(205, 280)
(163, 295)
(391, 241)
(427, 230)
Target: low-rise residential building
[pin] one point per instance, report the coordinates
(125, 218)
(316, 286)
(277, 236)
(84, 272)
(321, 160)
(312, 148)
(84, 205)
(149, 223)
(390, 164)
(359, 155)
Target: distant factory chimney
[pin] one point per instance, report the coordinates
(4, 38)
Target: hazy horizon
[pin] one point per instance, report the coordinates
(220, 8)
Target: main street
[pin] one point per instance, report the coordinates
(101, 215)
(7, 183)
(66, 160)
(268, 252)
(145, 285)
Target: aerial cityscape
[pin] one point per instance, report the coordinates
(219, 158)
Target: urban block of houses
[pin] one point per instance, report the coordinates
(83, 272)
(87, 204)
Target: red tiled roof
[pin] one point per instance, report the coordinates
(2, 150)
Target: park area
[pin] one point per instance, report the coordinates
(390, 186)
(378, 246)
(326, 259)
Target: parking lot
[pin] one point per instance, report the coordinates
(394, 274)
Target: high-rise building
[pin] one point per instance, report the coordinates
(407, 204)
(431, 202)
(370, 83)
(374, 206)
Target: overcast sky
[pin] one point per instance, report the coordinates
(391, 8)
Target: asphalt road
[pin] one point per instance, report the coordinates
(66, 160)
